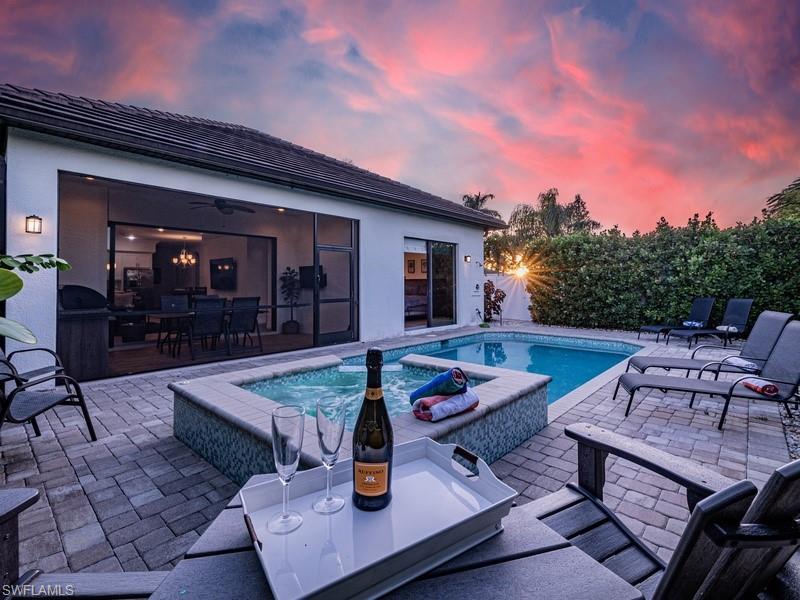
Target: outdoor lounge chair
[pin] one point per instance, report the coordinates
(737, 312)
(24, 403)
(735, 543)
(756, 349)
(700, 313)
(782, 368)
(7, 365)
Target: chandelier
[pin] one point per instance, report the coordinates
(185, 258)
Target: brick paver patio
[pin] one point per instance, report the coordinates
(137, 498)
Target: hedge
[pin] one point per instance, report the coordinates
(610, 280)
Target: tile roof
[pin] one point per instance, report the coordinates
(218, 146)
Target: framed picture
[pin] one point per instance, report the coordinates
(423, 265)
(137, 277)
(412, 266)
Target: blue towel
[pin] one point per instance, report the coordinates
(453, 381)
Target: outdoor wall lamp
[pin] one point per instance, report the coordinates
(33, 224)
(467, 258)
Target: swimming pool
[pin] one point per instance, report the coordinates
(569, 367)
(570, 361)
(345, 382)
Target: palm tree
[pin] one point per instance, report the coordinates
(548, 218)
(478, 202)
(785, 203)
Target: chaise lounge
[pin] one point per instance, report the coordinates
(782, 368)
(734, 323)
(699, 313)
(756, 349)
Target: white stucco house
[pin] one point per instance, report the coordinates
(180, 231)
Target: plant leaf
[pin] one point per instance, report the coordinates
(16, 331)
(10, 284)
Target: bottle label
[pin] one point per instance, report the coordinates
(371, 479)
(373, 393)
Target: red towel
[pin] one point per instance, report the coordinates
(760, 386)
(450, 405)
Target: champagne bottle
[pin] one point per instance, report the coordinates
(373, 443)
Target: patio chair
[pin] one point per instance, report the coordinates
(735, 543)
(782, 368)
(7, 365)
(734, 322)
(24, 403)
(756, 349)
(206, 325)
(170, 327)
(244, 321)
(699, 313)
(34, 583)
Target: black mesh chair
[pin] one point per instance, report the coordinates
(206, 325)
(170, 328)
(28, 398)
(244, 322)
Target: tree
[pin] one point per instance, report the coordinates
(785, 203)
(478, 202)
(548, 218)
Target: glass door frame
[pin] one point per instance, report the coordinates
(351, 334)
(429, 285)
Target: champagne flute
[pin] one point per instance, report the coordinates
(330, 428)
(287, 440)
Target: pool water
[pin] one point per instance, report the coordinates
(305, 389)
(569, 367)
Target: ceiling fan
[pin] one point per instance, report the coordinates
(222, 205)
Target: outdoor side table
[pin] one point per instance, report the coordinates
(527, 560)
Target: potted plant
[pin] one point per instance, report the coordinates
(290, 290)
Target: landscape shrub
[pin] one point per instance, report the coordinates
(610, 280)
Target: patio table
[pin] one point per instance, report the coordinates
(526, 560)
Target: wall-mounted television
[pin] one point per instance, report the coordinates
(223, 274)
(307, 277)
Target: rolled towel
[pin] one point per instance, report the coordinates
(741, 363)
(452, 381)
(761, 386)
(436, 408)
(728, 328)
(693, 324)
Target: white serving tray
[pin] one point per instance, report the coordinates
(438, 511)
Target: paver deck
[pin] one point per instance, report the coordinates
(137, 498)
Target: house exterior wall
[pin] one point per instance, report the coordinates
(34, 162)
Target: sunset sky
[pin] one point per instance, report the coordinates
(645, 108)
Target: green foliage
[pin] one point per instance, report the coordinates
(478, 201)
(610, 280)
(492, 300)
(548, 218)
(11, 284)
(785, 203)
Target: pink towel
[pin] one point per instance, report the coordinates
(436, 408)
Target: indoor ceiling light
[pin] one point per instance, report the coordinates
(131, 237)
(161, 229)
(281, 210)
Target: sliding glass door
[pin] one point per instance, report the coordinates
(430, 283)
(442, 285)
(335, 281)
